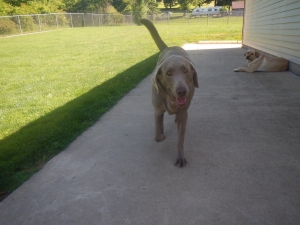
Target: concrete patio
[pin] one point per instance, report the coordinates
(242, 148)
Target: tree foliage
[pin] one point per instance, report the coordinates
(199, 3)
(170, 3)
(13, 7)
(226, 3)
(88, 6)
(121, 5)
(147, 6)
(5, 8)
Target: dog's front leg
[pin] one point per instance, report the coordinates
(252, 66)
(181, 120)
(159, 125)
(241, 69)
(250, 69)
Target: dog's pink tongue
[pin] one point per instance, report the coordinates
(181, 101)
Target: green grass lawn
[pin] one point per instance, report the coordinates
(193, 30)
(55, 85)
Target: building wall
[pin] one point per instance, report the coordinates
(273, 26)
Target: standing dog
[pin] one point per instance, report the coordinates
(173, 83)
(260, 62)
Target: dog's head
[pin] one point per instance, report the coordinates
(251, 54)
(176, 76)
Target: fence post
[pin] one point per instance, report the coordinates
(56, 21)
(83, 22)
(20, 26)
(227, 17)
(39, 23)
(71, 20)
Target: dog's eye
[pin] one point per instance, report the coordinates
(169, 73)
(185, 70)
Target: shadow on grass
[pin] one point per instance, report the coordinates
(25, 151)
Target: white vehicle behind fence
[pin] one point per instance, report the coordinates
(209, 11)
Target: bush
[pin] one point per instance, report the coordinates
(8, 27)
(28, 23)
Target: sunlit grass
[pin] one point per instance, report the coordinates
(193, 30)
(44, 71)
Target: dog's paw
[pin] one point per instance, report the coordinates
(180, 162)
(237, 70)
(160, 138)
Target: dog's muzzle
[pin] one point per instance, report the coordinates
(181, 101)
(181, 93)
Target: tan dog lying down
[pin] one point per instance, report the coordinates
(261, 62)
(173, 83)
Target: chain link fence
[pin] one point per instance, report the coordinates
(23, 24)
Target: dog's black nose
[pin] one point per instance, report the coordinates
(181, 91)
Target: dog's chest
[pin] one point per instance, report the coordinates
(171, 107)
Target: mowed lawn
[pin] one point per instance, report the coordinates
(54, 85)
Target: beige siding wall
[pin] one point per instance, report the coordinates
(273, 26)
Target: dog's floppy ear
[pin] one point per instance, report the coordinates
(195, 76)
(257, 54)
(154, 78)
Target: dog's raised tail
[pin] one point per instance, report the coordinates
(158, 41)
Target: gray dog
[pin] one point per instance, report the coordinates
(173, 83)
